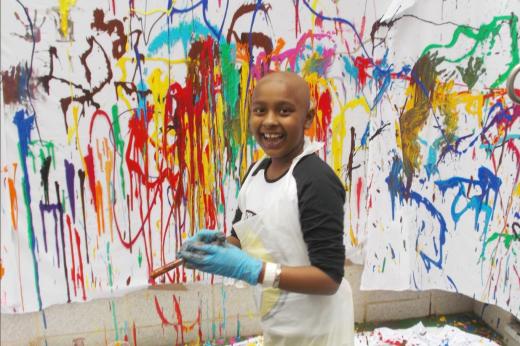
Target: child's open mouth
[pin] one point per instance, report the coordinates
(272, 140)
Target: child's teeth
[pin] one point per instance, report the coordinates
(268, 135)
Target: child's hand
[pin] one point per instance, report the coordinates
(226, 260)
(206, 236)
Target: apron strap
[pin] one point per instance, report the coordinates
(308, 148)
(246, 181)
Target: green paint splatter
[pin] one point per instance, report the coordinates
(63, 204)
(120, 144)
(223, 294)
(140, 258)
(230, 77)
(485, 32)
(506, 238)
(42, 157)
(110, 282)
(114, 319)
(238, 326)
(49, 151)
(27, 199)
(471, 73)
(33, 160)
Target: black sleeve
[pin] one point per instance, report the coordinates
(238, 212)
(321, 197)
(238, 216)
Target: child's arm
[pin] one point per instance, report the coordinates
(228, 260)
(321, 198)
(308, 280)
(234, 241)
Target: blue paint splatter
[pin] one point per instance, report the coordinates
(364, 138)
(351, 70)
(24, 123)
(184, 32)
(453, 284)
(397, 190)
(487, 182)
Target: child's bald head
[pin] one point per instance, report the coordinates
(280, 113)
(297, 84)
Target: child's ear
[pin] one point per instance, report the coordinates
(309, 117)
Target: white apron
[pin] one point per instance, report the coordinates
(274, 235)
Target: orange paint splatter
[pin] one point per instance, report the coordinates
(2, 271)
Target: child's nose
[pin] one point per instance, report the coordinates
(270, 118)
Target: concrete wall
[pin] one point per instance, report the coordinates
(228, 309)
(501, 321)
(94, 322)
(392, 305)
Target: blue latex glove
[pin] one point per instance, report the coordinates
(226, 260)
(205, 236)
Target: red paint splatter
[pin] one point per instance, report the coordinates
(362, 64)
(73, 268)
(199, 314)
(179, 327)
(178, 313)
(80, 276)
(160, 312)
(319, 20)
(359, 185)
(134, 333)
(89, 162)
(324, 106)
(297, 25)
(362, 30)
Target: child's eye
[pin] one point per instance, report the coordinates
(258, 110)
(285, 111)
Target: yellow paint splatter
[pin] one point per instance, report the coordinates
(338, 136)
(121, 65)
(353, 237)
(516, 191)
(65, 6)
(339, 130)
(155, 10)
(159, 88)
(398, 139)
(109, 164)
(448, 102)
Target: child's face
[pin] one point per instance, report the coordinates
(280, 114)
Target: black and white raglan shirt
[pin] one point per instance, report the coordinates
(321, 197)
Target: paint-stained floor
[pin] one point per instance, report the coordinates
(453, 330)
(420, 335)
(466, 322)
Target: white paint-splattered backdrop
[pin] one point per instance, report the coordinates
(124, 130)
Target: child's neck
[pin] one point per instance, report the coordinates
(280, 165)
(276, 169)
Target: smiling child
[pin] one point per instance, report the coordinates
(287, 236)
